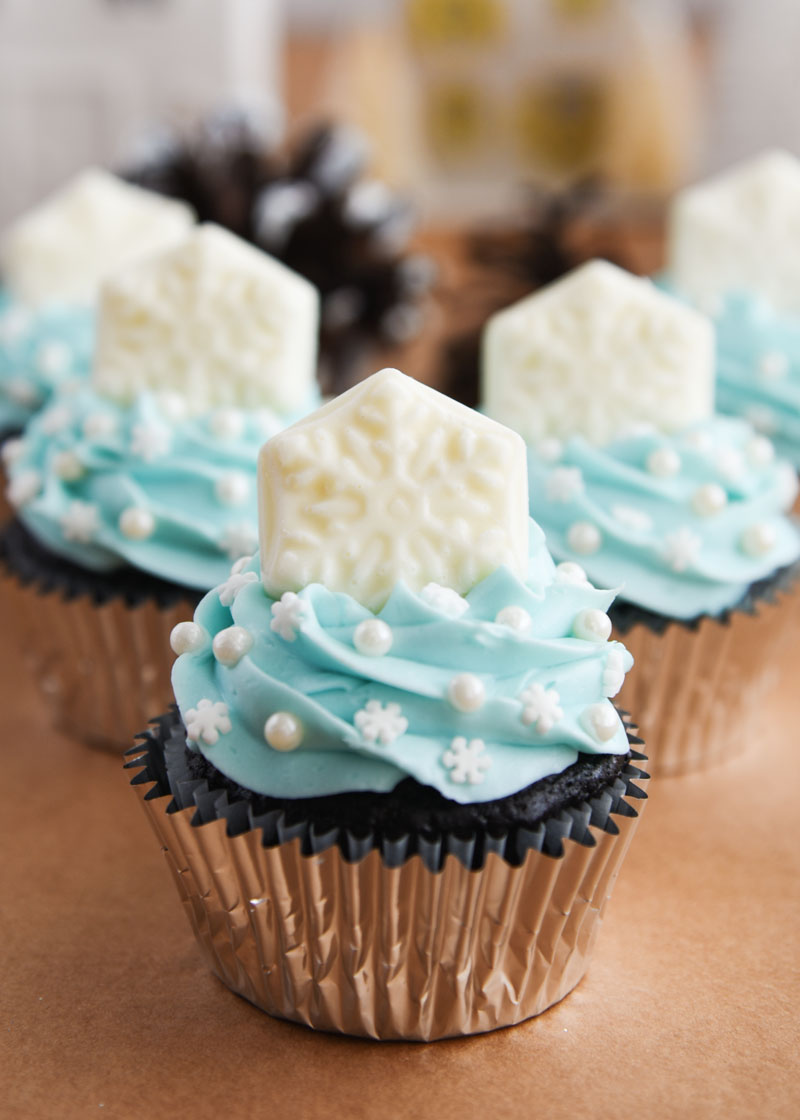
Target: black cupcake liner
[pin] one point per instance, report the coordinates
(162, 759)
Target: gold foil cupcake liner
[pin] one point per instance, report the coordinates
(702, 694)
(103, 670)
(390, 952)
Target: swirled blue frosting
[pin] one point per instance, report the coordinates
(39, 350)
(106, 486)
(684, 523)
(366, 721)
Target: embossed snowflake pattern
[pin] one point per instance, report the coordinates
(80, 522)
(391, 482)
(206, 722)
(150, 442)
(235, 582)
(444, 600)
(680, 548)
(288, 615)
(564, 484)
(381, 724)
(541, 707)
(466, 760)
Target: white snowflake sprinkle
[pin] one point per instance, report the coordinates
(444, 599)
(53, 358)
(23, 488)
(150, 442)
(233, 585)
(729, 463)
(207, 722)
(564, 484)
(614, 672)
(541, 707)
(466, 761)
(239, 540)
(379, 724)
(628, 517)
(680, 548)
(55, 419)
(287, 614)
(80, 522)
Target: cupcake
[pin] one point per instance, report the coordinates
(730, 251)
(393, 726)
(639, 485)
(136, 492)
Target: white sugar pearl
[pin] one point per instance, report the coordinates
(664, 462)
(515, 618)
(550, 450)
(466, 692)
(757, 540)
(231, 645)
(570, 572)
(584, 538)
(232, 489)
(283, 731)
(709, 499)
(592, 625)
(68, 466)
(773, 365)
(187, 637)
(373, 637)
(227, 423)
(601, 721)
(136, 523)
(760, 451)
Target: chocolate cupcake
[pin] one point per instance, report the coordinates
(388, 733)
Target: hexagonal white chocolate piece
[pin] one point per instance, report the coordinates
(213, 319)
(391, 481)
(739, 230)
(65, 247)
(594, 353)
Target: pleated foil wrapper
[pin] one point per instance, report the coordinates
(354, 935)
(704, 692)
(103, 669)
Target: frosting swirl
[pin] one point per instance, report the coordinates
(478, 696)
(39, 350)
(685, 523)
(106, 485)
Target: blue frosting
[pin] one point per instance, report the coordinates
(313, 671)
(644, 529)
(40, 349)
(84, 461)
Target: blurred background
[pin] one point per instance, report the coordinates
(423, 161)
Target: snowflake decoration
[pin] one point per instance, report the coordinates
(444, 600)
(729, 463)
(207, 722)
(23, 488)
(55, 419)
(235, 582)
(239, 540)
(53, 358)
(680, 548)
(466, 761)
(392, 481)
(80, 522)
(564, 484)
(636, 520)
(613, 673)
(288, 615)
(379, 724)
(541, 707)
(150, 442)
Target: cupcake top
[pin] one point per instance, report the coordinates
(642, 483)
(164, 479)
(404, 617)
(53, 260)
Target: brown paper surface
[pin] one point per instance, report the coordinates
(689, 1008)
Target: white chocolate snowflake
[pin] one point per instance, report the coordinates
(207, 722)
(80, 522)
(564, 484)
(444, 600)
(541, 707)
(466, 760)
(379, 724)
(287, 615)
(150, 441)
(680, 549)
(235, 583)
(392, 481)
